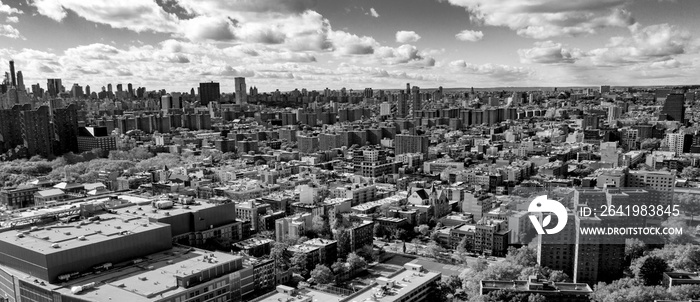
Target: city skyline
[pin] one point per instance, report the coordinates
(316, 44)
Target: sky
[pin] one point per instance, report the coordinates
(382, 44)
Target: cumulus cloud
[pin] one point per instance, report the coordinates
(548, 52)
(470, 35)
(12, 19)
(543, 19)
(136, 15)
(6, 9)
(7, 30)
(404, 36)
(653, 43)
(373, 12)
(495, 71)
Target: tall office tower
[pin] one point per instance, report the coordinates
(408, 88)
(37, 91)
(604, 89)
(368, 93)
(37, 131)
(109, 87)
(53, 86)
(674, 108)
(405, 143)
(208, 92)
(241, 93)
(87, 90)
(13, 81)
(76, 91)
(65, 125)
(20, 81)
(130, 89)
(119, 87)
(614, 113)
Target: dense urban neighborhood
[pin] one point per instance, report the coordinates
(388, 195)
(349, 151)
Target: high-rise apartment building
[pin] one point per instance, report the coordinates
(65, 126)
(37, 132)
(209, 92)
(405, 143)
(241, 93)
(674, 108)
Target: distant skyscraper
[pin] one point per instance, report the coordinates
(20, 81)
(674, 108)
(87, 90)
(130, 88)
(408, 88)
(119, 87)
(208, 92)
(241, 93)
(614, 113)
(37, 91)
(77, 91)
(54, 87)
(109, 88)
(605, 89)
(12, 74)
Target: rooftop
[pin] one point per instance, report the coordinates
(148, 280)
(60, 237)
(403, 283)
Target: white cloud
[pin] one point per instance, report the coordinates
(12, 19)
(7, 30)
(495, 71)
(653, 43)
(136, 15)
(373, 12)
(6, 9)
(543, 19)
(470, 35)
(548, 52)
(404, 36)
(350, 44)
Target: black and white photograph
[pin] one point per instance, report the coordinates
(349, 151)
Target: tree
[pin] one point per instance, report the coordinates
(512, 296)
(356, 262)
(378, 230)
(690, 173)
(278, 253)
(321, 274)
(525, 256)
(634, 249)
(685, 292)
(343, 237)
(650, 269)
(424, 229)
(318, 225)
(479, 265)
(368, 253)
(628, 290)
(340, 269)
(434, 250)
(689, 204)
(299, 264)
